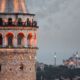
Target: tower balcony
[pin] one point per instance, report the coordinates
(18, 30)
(17, 20)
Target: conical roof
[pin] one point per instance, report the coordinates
(13, 6)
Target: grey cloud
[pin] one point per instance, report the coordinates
(59, 22)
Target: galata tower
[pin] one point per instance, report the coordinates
(18, 41)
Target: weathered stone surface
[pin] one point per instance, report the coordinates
(19, 65)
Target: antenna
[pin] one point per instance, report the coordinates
(76, 59)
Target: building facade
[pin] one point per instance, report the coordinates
(73, 62)
(18, 45)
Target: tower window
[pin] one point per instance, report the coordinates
(0, 67)
(28, 22)
(21, 66)
(9, 21)
(19, 22)
(10, 69)
(30, 69)
(29, 38)
(20, 39)
(1, 22)
(0, 40)
(10, 39)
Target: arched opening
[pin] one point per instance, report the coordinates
(9, 39)
(35, 40)
(1, 40)
(20, 39)
(29, 38)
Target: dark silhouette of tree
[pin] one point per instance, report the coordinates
(52, 72)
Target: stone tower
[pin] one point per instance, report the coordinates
(18, 42)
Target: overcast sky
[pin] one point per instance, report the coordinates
(59, 28)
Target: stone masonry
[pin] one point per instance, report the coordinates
(17, 64)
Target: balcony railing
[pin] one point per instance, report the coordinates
(19, 24)
(17, 19)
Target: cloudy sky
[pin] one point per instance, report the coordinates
(59, 28)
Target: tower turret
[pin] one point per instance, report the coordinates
(18, 42)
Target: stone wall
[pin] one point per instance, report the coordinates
(17, 64)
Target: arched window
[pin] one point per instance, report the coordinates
(1, 40)
(29, 38)
(10, 39)
(20, 39)
(35, 40)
